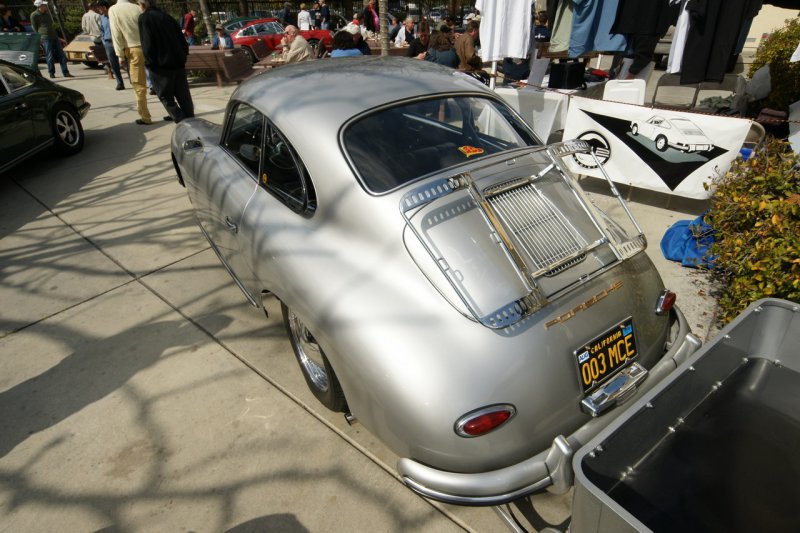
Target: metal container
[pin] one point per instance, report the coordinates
(713, 447)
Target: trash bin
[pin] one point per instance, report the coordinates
(713, 447)
(21, 49)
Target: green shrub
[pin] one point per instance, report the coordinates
(755, 212)
(785, 76)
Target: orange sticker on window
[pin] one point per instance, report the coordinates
(470, 150)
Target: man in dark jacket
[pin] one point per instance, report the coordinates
(165, 52)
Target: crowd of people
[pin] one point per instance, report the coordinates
(152, 46)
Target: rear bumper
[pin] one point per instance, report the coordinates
(551, 468)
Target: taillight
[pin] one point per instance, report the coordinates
(665, 302)
(482, 421)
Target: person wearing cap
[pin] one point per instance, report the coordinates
(165, 51)
(406, 34)
(42, 23)
(358, 38)
(105, 27)
(295, 47)
(221, 38)
(124, 19)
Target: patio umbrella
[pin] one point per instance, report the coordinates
(505, 30)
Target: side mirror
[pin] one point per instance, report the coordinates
(250, 152)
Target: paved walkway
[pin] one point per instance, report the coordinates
(139, 391)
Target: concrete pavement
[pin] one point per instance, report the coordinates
(140, 392)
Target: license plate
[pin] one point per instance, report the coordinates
(606, 354)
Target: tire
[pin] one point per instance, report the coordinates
(92, 64)
(635, 130)
(315, 44)
(67, 130)
(661, 143)
(316, 369)
(249, 54)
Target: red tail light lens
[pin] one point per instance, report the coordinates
(484, 420)
(665, 302)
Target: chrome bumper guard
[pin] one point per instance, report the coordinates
(550, 469)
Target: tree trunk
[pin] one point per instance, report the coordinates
(244, 8)
(383, 9)
(206, 18)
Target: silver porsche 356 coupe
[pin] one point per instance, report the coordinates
(443, 277)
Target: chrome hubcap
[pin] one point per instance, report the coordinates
(309, 353)
(67, 128)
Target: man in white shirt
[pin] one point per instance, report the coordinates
(124, 19)
(90, 22)
(406, 34)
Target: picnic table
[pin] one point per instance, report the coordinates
(375, 48)
(229, 64)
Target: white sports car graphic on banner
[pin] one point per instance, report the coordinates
(679, 133)
(667, 151)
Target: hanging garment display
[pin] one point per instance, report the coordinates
(562, 27)
(644, 22)
(678, 39)
(505, 28)
(591, 28)
(712, 37)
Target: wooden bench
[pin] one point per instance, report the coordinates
(227, 65)
(237, 67)
(260, 49)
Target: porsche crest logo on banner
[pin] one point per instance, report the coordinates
(657, 149)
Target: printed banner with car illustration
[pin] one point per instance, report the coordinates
(657, 149)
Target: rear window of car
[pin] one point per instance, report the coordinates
(397, 145)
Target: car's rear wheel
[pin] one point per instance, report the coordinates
(661, 143)
(249, 54)
(315, 44)
(67, 130)
(316, 368)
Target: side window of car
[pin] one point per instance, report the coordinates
(284, 175)
(273, 28)
(15, 79)
(248, 32)
(243, 137)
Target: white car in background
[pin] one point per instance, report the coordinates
(679, 133)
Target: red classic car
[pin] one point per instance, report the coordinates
(270, 31)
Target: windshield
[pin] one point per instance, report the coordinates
(397, 145)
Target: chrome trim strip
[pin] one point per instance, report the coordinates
(239, 284)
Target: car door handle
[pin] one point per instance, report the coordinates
(233, 226)
(21, 107)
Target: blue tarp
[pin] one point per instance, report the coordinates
(688, 241)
